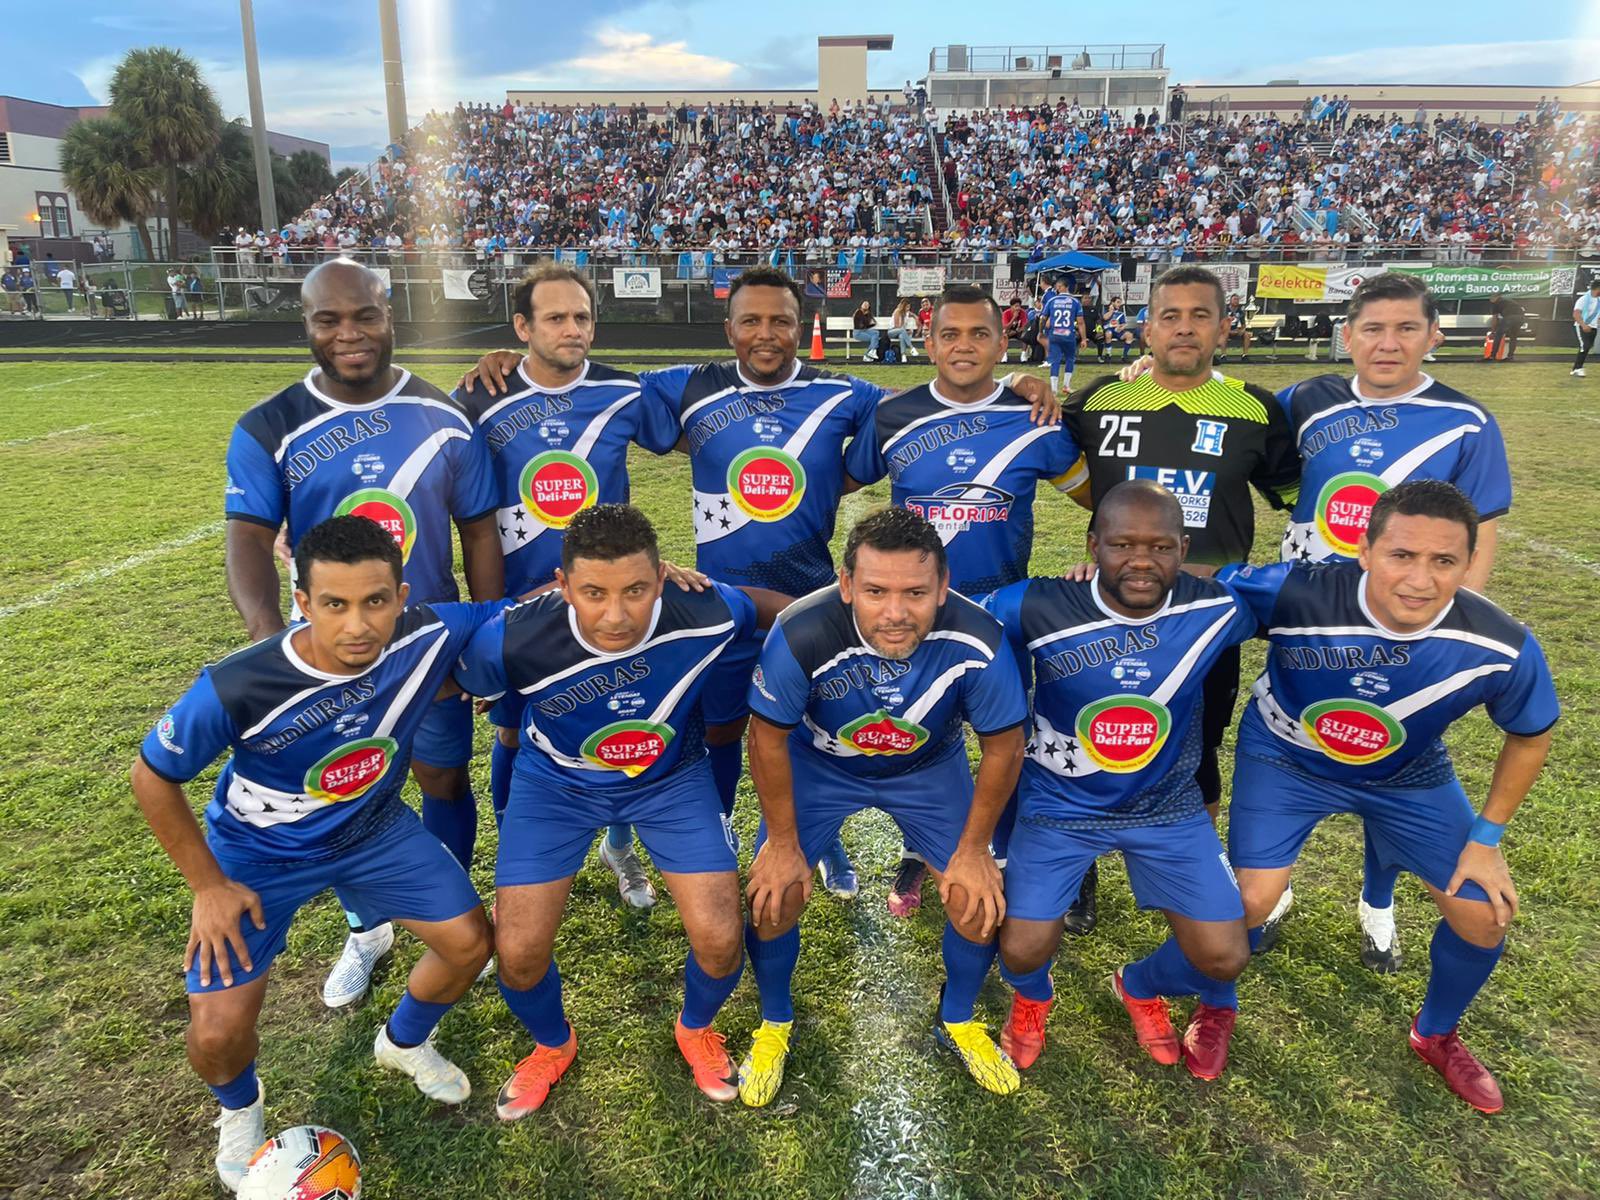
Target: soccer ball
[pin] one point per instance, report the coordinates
(307, 1162)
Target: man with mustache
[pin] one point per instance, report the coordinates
(1206, 438)
(859, 701)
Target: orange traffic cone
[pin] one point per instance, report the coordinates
(817, 353)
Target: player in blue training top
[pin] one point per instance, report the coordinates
(359, 435)
(1119, 665)
(1360, 437)
(1061, 320)
(766, 437)
(1368, 664)
(611, 670)
(858, 702)
(963, 452)
(558, 437)
(319, 720)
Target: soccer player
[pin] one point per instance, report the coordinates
(1368, 663)
(360, 435)
(611, 670)
(1119, 666)
(858, 702)
(1117, 331)
(558, 438)
(320, 721)
(1206, 438)
(766, 437)
(1357, 438)
(963, 452)
(1061, 316)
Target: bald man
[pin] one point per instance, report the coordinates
(1118, 664)
(360, 435)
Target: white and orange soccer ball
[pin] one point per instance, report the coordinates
(307, 1162)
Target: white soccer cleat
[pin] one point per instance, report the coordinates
(634, 885)
(1380, 944)
(352, 974)
(240, 1132)
(436, 1076)
(1578, 371)
(1273, 925)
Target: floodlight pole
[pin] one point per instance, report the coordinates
(258, 121)
(394, 76)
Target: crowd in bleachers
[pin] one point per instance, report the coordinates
(742, 179)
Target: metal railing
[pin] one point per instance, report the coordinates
(1066, 56)
(125, 290)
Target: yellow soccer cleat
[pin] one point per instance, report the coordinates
(985, 1061)
(761, 1072)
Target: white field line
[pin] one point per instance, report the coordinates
(1570, 557)
(55, 433)
(55, 592)
(39, 387)
(902, 1154)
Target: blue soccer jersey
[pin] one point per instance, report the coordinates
(878, 717)
(971, 471)
(1355, 449)
(597, 719)
(1346, 699)
(1116, 700)
(768, 467)
(558, 451)
(409, 461)
(1061, 312)
(316, 758)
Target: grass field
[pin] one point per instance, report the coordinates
(106, 615)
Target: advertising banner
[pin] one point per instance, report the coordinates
(636, 283)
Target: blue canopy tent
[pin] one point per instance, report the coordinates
(1072, 260)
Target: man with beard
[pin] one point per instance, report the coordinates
(1118, 664)
(361, 436)
(858, 702)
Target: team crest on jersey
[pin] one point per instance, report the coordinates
(1352, 731)
(631, 747)
(1208, 437)
(957, 507)
(1123, 733)
(883, 733)
(556, 486)
(766, 483)
(350, 771)
(1344, 509)
(387, 509)
(367, 467)
(961, 460)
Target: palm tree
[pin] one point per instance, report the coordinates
(217, 191)
(103, 165)
(160, 93)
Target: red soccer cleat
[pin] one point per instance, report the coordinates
(530, 1084)
(1205, 1042)
(1465, 1075)
(705, 1052)
(1152, 1023)
(1023, 1035)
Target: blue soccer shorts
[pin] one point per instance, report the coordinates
(1418, 829)
(549, 826)
(1062, 352)
(1180, 867)
(929, 804)
(444, 739)
(400, 873)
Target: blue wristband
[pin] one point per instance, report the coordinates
(1486, 832)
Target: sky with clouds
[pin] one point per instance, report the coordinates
(322, 73)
